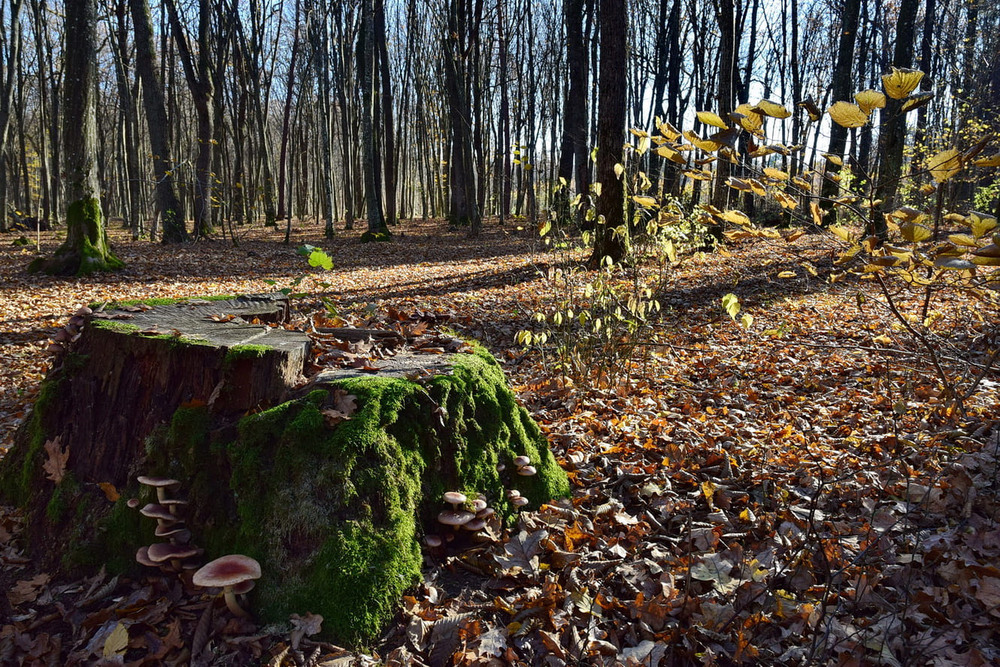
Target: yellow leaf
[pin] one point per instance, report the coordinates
(749, 119)
(776, 174)
(668, 130)
(816, 214)
(110, 492)
(834, 158)
(796, 235)
(911, 231)
(963, 240)
(882, 340)
(785, 200)
(757, 187)
(944, 165)
(738, 184)
(916, 101)
(736, 217)
(869, 99)
(704, 144)
(846, 114)
(644, 201)
(116, 642)
(908, 214)
(802, 183)
(841, 233)
(772, 109)
(670, 154)
(901, 82)
(709, 118)
(786, 274)
(981, 223)
(988, 161)
(638, 133)
(699, 175)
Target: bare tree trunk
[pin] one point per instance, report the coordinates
(611, 238)
(10, 48)
(174, 230)
(373, 202)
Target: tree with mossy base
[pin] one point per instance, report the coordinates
(86, 247)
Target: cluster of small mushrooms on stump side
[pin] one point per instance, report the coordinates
(474, 517)
(234, 574)
(69, 333)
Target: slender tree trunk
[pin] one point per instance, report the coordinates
(843, 83)
(284, 204)
(376, 223)
(893, 137)
(174, 230)
(611, 232)
(12, 47)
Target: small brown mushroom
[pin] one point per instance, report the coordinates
(478, 505)
(474, 525)
(455, 517)
(227, 572)
(142, 557)
(521, 461)
(454, 498)
(519, 501)
(161, 484)
(433, 541)
(160, 513)
(526, 471)
(175, 553)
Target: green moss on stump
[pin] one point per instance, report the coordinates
(333, 513)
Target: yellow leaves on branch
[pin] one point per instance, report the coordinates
(709, 118)
(900, 82)
(772, 109)
(869, 99)
(944, 165)
(846, 114)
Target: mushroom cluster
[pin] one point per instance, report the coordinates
(460, 517)
(177, 553)
(69, 333)
(524, 467)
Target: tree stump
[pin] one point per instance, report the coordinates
(329, 483)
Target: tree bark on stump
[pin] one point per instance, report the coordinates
(328, 483)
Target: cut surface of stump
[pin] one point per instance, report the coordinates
(328, 484)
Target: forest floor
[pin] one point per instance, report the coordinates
(789, 493)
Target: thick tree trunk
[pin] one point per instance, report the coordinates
(843, 84)
(462, 172)
(373, 201)
(85, 249)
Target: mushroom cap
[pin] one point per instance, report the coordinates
(521, 461)
(485, 512)
(455, 517)
(520, 501)
(227, 571)
(513, 493)
(176, 532)
(157, 482)
(478, 504)
(83, 311)
(432, 541)
(157, 511)
(526, 471)
(244, 587)
(501, 467)
(454, 497)
(142, 557)
(474, 525)
(132, 503)
(162, 551)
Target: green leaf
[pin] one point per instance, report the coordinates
(318, 258)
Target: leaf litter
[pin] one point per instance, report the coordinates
(787, 495)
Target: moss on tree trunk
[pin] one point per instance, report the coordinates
(85, 249)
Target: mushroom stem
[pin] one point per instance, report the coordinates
(231, 602)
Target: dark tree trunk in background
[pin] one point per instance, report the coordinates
(843, 84)
(389, 158)
(199, 80)
(726, 18)
(174, 230)
(85, 249)
(10, 46)
(573, 149)
(611, 232)
(373, 200)
(893, 137)
(284, 201)
(462, 171)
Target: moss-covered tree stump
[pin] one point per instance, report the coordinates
(329, 483)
